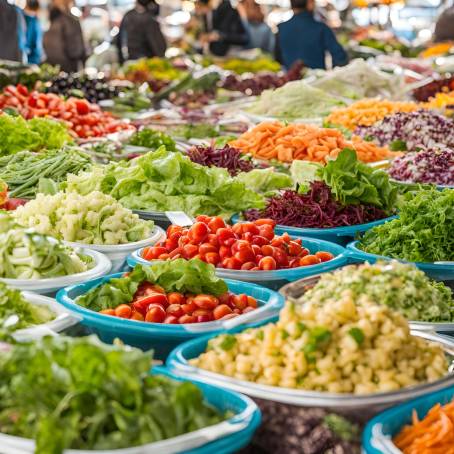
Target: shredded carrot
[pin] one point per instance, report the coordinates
(274, 140)
(432, 435)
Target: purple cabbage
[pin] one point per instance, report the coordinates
(228, 157)
(428, 166)
(315, 209)
(411, 131)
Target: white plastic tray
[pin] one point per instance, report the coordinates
(118, 253)
(51, 285)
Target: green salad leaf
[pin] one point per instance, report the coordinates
(17, 134)
(151, 138)
(17, 313)
(424, 231)
(168, 181)
(184, 276)
(353, 182)
(81, 394)
(265, 181)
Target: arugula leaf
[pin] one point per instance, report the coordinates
(353, 182)
(180, 275)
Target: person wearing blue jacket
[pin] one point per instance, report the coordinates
(34, 33)
(303, 38)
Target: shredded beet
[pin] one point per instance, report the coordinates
(228, 157)
(315, 209)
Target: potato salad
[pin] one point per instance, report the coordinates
(95, 218)
(340, 347)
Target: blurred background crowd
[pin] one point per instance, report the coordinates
(100, 32)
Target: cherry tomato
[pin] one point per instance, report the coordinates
(237, 229)
(187, 319)
(171, 320)
(189, 251)
(176, 253)
(189, 308)
(277, 242)
(224, 235)
(151, 253)
(309, 260)
(175, 298)
(205, 248)
(257, 249)
(250, 227)
(260, 240)
(324, 256)
(221, 311)
(206, 301)
(108, 312)
(247, 236)
(212, 258)
(260, 222)
(294, 248)
(198, 232)
(245, 255)
(176, 310)
(215, 224)
(240, 301)
(123, 311)
(224, 252)
(164, 256)
(267, 264)
(281, 257)
(252, 302)
(231, 263)
(137, 316)
(203, 218)
(286, 237)
(267, 250)
(150, 289)
(247, 266)
(212, 239)
(240, 244)
(205, 318)
(154, 298)
(267, 231)
(172, 229)
(171, 244)
(155, 314)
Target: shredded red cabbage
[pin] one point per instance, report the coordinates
(315, 209)
(228, 157)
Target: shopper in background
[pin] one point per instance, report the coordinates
(444, 28)
(12, 32)
(63, 42)
(222, 26)
(140, 33)
(259, 33)
(306, 39)
(34, 33)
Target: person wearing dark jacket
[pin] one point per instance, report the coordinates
(140, 33)
(303, 38)
(12, 32)
(63, 42)
(444, 27)
(222, 27)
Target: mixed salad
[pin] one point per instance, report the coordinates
(181, 292)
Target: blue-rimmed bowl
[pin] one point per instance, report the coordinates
(378, 434)
(160, 337)
(440, 271)
(339, 235)
(276, 278)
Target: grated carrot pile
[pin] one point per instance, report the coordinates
(432, 435)
(367, 112)
(274, 140)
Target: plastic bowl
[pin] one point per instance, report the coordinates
(295, 290)
(118, 253)
(339, 235)
(368, 404)
(275, 279)
(50, 286)
(226, 437)
(377, 435)
(439, 271)
(63, 319)
(162, 338)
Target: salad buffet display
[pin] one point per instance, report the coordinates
(218, 255)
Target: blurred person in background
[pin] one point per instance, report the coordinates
(34, 33)
(444, 28)
(260, 34)
(63, 42)
(221, 26)
(306, 39)
(140, 33)
(12, 33)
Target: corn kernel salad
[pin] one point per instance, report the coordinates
(341, 347)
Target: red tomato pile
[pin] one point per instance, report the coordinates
(249, 246)
(83, 118)
(152, 304)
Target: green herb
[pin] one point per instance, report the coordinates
(398, 145)
(342, 427)
(260, 335)
(353, 182)
(184, 276)
(284, 334)
(150, 138)
(228, 342)
(424, 231)
(319, 337)
(357, 334)
(81, 394)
